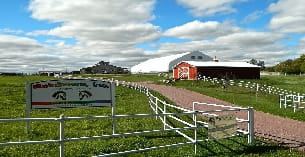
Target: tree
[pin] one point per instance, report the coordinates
(257, 62)
(289, 66)
(301, 61)
(253, 61)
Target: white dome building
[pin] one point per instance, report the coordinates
(167, 63)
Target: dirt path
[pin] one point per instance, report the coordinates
(282, 130)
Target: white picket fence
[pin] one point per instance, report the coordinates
(160, 111)
(251, 85)
(287, 98)
(294, 101)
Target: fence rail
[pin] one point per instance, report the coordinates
(287, 98)
(160, 112)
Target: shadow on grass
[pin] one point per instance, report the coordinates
(241, 149)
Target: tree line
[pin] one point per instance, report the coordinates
(290, 66)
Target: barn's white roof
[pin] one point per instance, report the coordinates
(222, 64)
(156, 64)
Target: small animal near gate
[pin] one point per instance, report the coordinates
(190, 70)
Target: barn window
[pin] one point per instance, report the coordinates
(199, 57)
(193, 57)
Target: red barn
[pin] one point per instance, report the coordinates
(190, 70)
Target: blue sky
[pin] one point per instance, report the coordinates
(58, 35)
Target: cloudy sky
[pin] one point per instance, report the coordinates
(68, 35)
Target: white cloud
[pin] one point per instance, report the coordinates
(251, 39)
(201, 8)
(301, 46)
(21, 54)
(109, 30)
(133, 33)
(91, 20)
(104, 30)
(239, 46)
(252, 17)
(10, 31)
(24, 54)
(104, 13)
(15, 44)
(197, 30)
(289, 16)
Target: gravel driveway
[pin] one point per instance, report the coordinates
(282, 130)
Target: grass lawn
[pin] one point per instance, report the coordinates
(290, 82)
(243, 97)
(12, 95)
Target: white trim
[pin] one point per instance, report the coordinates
(182, 72)
(222, 64)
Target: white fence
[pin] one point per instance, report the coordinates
(272, 73)
(287, 98)
(251, 85)
(160, 111)
(294, 101)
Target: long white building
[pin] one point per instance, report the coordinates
(167, 63)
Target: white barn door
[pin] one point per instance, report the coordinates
(183, 72)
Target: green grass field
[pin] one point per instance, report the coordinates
(290, 82)
(12, 105)
(243, 97)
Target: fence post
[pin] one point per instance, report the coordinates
(61, 135)
(113, 109)
(164, 116)
(250, 125)
(280, 95)
(146, 91)
(28, 106)
(285, 99)
(195, 132)
(156, 111)
(194, 111)
(296, 104)
(257, 87)
(117, 83)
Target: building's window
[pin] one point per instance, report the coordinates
(193, 57)
(199, 57)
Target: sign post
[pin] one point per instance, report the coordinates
(222, 126)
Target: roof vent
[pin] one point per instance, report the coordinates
(215, 60)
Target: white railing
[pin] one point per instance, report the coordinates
(249, 121)
(160, 111)
(287, 98)
(294, 101)
(246, 84)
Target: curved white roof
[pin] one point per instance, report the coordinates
(222, 64)
(156, 64)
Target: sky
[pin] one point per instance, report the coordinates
(68, 35)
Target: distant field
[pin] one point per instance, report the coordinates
(291, 82)
(12, 104)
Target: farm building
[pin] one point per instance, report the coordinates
(191, 70)
(167, 63)
(50, 73)
(103, 68)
